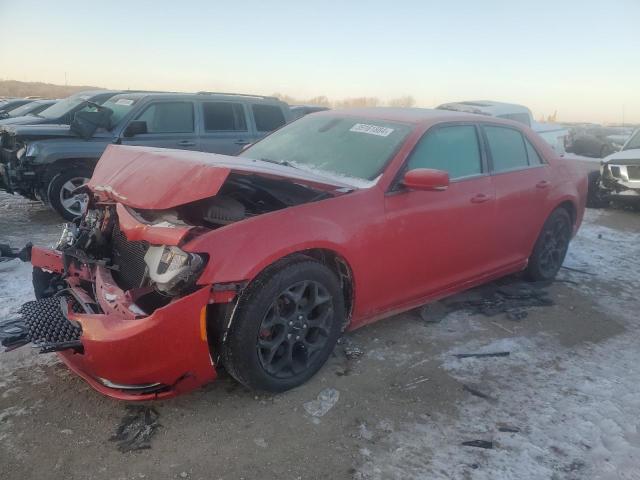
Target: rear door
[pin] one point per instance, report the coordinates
(441, 239)
(522, 182)
(225, 127)
(169, 124)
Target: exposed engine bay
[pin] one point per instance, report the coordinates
(241, 197)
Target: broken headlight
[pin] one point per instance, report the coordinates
(172, 269)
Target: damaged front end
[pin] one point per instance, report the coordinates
(620, 180)
(119, 297)
(129, 336)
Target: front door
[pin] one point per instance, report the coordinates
(441, 239)
(168, 124)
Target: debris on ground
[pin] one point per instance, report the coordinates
(511, 298)
(414, 383)
(136, 429)
(508, 429)
(482, 355)
(325, 401)
(478, 444)
(578, 270)
(351, 350)
(475, 392)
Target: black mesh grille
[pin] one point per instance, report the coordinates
(48, 327)
(129, 258)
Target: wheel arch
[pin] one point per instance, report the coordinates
(331, 259)
(571, 209)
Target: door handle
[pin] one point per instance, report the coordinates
(187, 143)
(480, 198)
(543, 184)
(242, 142)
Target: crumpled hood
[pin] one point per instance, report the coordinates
(160, 178)
(626, 157)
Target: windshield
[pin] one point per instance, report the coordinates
(634, 141)
(63, 107)
(347, 146)
(120, 106)
(22, 110)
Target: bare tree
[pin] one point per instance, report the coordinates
(406, 101)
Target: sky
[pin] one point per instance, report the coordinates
(579, 58)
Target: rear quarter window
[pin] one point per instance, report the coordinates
(267, 117)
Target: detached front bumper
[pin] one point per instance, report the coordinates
(134, 357)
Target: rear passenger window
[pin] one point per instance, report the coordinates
(452, 149)
(224, 116)
(534, 158)
(168, 117)
(507, 148)
(268, 117)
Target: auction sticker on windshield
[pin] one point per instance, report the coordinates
(371, 129)
(124, 101)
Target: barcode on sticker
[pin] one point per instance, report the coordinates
(371, 129)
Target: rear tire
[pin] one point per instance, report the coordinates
(59, 192)
(286, 325)
(551, 247)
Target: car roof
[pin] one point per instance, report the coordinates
(413, 115)
(198, 95)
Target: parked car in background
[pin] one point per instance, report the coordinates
(49, 162)
(33, 107)
(619, 177)
(302, 110)
(185, 261)
(554, 134)
(63, 111)
(9, 104)
(596, 141)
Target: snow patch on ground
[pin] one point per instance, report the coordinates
(575, 411)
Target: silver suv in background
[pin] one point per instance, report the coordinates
(49, 162)
(554, 134)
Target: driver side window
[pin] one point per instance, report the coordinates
(453, 149)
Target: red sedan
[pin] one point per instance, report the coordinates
(186, 261)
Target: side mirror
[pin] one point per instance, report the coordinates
(426, 179)
(135, 128)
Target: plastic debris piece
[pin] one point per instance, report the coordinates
(325, 401)
(482, 355)
(478, 444)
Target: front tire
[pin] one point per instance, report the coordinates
(285, 327)
(551, 247)
(60, 190)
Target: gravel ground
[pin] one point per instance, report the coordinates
(394, 402)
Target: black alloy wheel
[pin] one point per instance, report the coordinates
(295, 329)
(551, 246)
(286, 325)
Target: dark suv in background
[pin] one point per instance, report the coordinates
(49, 162)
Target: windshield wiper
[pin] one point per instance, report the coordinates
(278, 162)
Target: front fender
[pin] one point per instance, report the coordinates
(240, 251)
(52, 151)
